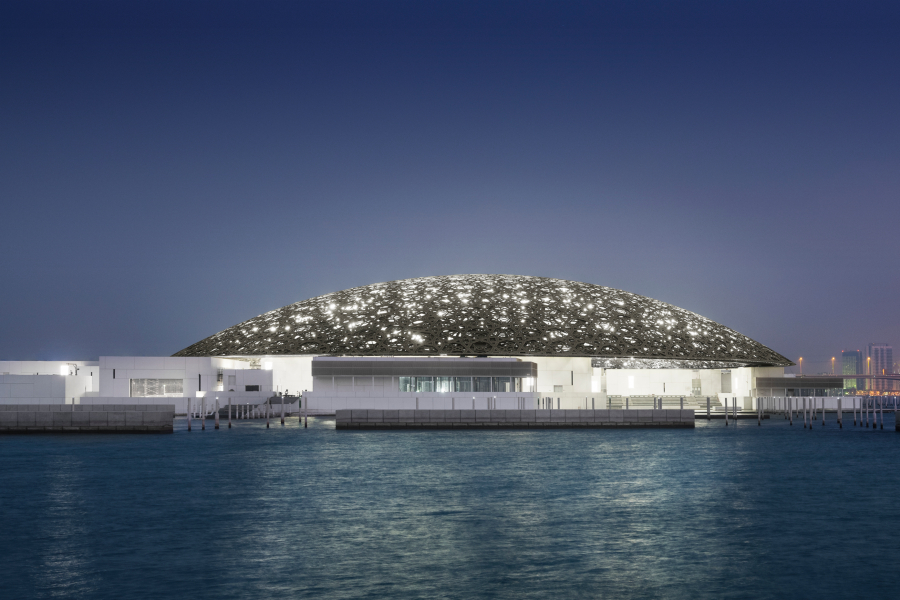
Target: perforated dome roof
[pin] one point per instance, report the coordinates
(491, 315)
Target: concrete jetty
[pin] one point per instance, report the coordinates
(86, 418)
(512, 419)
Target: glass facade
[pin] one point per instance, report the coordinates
(462, 384)
(424, 384)
(481, 384)
(446, 385)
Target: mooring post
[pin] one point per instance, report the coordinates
(804, 412)
(726, 411)
(189, 413)
(734, 408)
(840, 416)
(626, 402)
(758, 413)
(306, 414)
(707, 408)
(823, 411)
(229, 412)
(790, 402)
(203, 413)
(282, 410)
(217, 413)
(267, 412)
(682, 403)
(881, 409)
(592, 405)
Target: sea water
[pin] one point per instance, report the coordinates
(712, 512)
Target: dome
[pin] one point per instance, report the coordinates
(492, 315)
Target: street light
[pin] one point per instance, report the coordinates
(801, 365)
(832, 365)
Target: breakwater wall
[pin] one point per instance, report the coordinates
(512, 419)
(75, 418)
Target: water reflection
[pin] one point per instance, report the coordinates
(287, 512)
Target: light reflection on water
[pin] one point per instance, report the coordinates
(742, 511)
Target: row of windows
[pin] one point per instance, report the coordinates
(167, 388)
(466, 384)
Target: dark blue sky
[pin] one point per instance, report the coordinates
(168, 169)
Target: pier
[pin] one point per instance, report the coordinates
(86, 418)
(514, 419)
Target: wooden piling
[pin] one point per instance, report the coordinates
(203, 413)
(726, 411)
(804, 413)
(217, 413)
(758, 413)
(881, 409)
(707, 408)
(790, 404)
(267, 413)
(840, 416)
(282, 410)
(189, 413)
(229, 413)
(626, 402)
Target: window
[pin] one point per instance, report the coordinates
(149, 388)
(557, 388)
(462, 384)
(251, 388)
(502, 384)
(443, 384)
(528, 384)
(407, 384)
(424, 384)
(481, 384)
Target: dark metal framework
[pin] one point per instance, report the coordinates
(489, 315)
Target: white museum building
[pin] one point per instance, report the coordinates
(459, 341)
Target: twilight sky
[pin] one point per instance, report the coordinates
(169, 169)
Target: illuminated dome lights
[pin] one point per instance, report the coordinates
(492, 315)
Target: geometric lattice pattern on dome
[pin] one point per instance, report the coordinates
(488, 315)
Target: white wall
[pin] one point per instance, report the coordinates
(291, 373)
(43, 389)
(198, 374)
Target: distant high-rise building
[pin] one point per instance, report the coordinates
(880, 361)
(852, 364)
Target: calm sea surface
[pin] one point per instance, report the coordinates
(715, 512)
